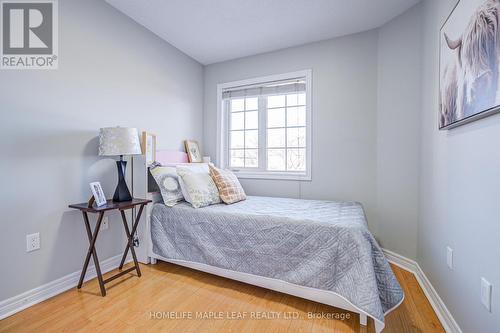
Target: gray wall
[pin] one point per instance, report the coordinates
(344, 133)
(111, 72)
(459, 195)
(364, 149)
(398, 124)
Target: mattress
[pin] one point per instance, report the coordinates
(318, 244)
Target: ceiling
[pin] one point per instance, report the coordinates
(212, 31)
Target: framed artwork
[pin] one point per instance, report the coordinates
(148, 145)
(193, 151)
(98, 194)
(469, 63)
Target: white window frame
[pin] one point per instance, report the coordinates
(223, 130)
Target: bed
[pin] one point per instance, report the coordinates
(318, 250)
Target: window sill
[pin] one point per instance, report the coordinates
(273, 175)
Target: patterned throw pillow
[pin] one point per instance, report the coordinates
(230, 189)
(193, 167)
(168, 182)
(199, 186)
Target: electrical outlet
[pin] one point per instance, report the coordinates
(449, 257)
(105, 223)
(32, 242)
(486, 293)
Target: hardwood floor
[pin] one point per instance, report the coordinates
(166, 290)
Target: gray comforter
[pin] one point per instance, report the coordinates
(318, 244)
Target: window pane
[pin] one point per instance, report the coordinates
(302, 99)
(237, 121)
(251, 158)
(252, 103)
(296, 137)
(296, 116)
(291, 99)
(276, 118)
(237, 104)
(276, 138)
(252, 120)
(276, 101)
(237, 139)
(296, 159)
(276, 159)
(237, 158)
(252, 139)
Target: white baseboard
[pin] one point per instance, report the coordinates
(31, 297)
(444, 315)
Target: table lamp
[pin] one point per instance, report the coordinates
(119, 141)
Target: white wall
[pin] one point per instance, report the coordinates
(459, 195)
(111, 72)
(398, 124)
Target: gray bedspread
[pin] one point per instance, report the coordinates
(318, 244)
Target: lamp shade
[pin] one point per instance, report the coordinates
(115, 141)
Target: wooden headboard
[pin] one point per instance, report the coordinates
(166, 157)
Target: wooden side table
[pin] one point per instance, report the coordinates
(110, 205)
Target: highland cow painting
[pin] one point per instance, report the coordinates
(469, 63)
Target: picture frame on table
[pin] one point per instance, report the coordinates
(98, 194)
(148, 145)
(193, 151)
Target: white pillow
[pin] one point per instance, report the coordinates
(199, 186)
(193, 167)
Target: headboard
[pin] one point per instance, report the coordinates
(146, 187)
(171, 157)
(166, 157)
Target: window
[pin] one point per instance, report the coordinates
(244, 133)
(265, 126)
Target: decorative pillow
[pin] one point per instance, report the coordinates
(168, 182)
(199, 186)
(193, 167)
(230, 189)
